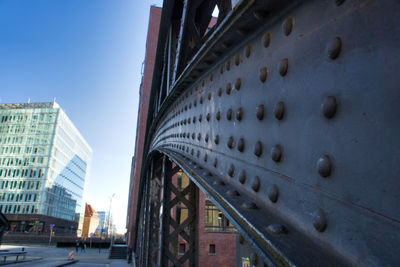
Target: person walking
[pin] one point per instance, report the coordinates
(82, 246)
(77, 245)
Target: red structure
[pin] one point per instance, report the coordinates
(145, 87)
(217, 245)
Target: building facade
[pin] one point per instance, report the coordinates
(90, 222)
(44, 162)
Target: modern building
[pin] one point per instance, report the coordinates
(90, 221)
(102, 223)
(44, 162)
(217, 236)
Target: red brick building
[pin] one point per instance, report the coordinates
(217, 237)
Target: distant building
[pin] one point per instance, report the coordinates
(90, 221)
(102, 223)
(44, 162)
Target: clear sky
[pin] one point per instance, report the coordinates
(88, 54)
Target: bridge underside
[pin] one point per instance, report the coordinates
(286, 114)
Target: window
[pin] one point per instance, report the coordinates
(182, 249)
(211, 250)
(215, 220)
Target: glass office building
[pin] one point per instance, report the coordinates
(44, 161)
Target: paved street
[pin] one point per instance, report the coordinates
(51, 256)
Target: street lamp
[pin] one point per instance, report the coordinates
(109, 215)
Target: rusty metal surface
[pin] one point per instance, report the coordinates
(288, 117)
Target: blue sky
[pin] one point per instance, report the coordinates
(88, 55)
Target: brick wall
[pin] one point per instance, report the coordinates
(145, 87)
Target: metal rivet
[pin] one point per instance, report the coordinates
(319, 220)
(238, 84)
(237, 59)
(242, 177)
(324, 166)
(339, 2)
(277, 229)
(229, 114)
(216, 139)
(279, 110)
(253, 259)
(333, 48)
(258, 149)
(228, 88)
(276, 153)
(287, 26)
(215, 163)
(232, 193)
(231, 142)
(240, 145)
(248, 51)
(228, 65)
(231, 170)
(206, 138)
(220, 92)
(249, 205)
(239, 114)
(218, 116)
(263, 74)
(273, 193)
(329, 106)
(267, 39)
(260, 112)
(256, 184)
(283, 67)
(199, 136)
(208, 117)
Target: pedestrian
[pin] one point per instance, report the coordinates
(82, 246)
(77, 245)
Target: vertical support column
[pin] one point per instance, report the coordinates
(162, 212)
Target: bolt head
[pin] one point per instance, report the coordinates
(319, 220)
(329, 107)
(260, 112)
(273, 193)
(287, 26)
(324, 166)
(276, 153)
(256, 184)
(279, 110)
(283, 67)
(334, 47)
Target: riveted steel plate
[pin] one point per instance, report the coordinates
(296, 125)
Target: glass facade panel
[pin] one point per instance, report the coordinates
(43, 161)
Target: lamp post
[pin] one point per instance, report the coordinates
(109, 215)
